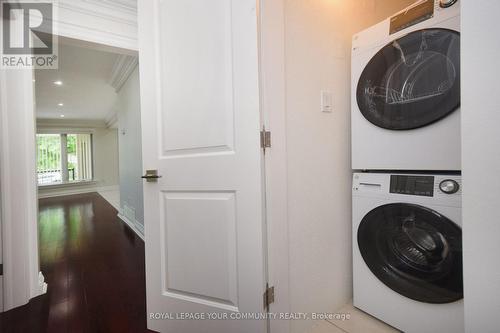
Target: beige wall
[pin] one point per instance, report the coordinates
(317, 52)
(105, 144)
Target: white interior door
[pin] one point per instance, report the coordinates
(200, 118)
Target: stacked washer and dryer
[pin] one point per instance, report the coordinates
(407, 236)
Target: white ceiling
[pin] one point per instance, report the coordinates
(86, 92)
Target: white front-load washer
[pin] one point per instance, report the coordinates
(407, 250)
(406, 90)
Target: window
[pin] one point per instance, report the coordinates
(63, 158)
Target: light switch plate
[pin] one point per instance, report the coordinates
(326, 101)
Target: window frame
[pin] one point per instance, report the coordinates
(70, 131)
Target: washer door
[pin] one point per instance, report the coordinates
(414, 250)
(412, 81)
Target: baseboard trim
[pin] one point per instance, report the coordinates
(134, 225)
(76, 190)
(42, 285)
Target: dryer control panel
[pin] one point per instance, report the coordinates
(419, 12)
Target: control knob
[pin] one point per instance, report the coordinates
(447, 3)
(449, 186)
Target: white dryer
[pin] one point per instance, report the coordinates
(406, 90)
(407, 250)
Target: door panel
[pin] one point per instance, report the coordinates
(203, 268)
(201, 131)
(197, 90)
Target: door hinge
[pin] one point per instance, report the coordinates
(268, 296)
(265, 139)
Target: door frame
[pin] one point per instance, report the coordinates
(273, 113)
(22, 279)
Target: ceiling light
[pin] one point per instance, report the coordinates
(60, 104)
(58, 83)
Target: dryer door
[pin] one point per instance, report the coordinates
(414, 250)
(412, 81)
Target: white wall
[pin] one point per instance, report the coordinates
(105, 153)
(130, 147)
(317, 52)
(481, 164)
(106, 156)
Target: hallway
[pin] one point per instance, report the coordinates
(94, 267)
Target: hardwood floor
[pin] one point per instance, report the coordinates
(94, 267)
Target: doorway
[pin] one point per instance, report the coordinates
(88, 148)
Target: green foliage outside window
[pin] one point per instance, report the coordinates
(72, 159)
(49, 152)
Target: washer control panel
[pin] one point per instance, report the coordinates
(427, 186)
(427, 189)
(412, 185)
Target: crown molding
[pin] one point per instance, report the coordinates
(99, 36)
(120, 11)
(108, 10)
(111, 119)
(124, 5)
(123, 67)
(44, 124)
(108, 22)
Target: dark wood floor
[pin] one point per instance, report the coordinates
(94, 267)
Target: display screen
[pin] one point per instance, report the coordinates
(413, 185)
(412, 16)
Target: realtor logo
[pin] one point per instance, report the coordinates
(28, 35)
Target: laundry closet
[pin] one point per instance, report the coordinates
(373, 124)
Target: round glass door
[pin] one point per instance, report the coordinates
(414, 250)
(412, 81)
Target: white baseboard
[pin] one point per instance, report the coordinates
(42, 285)
(71, 190)
(137, 227)
(112, 197)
